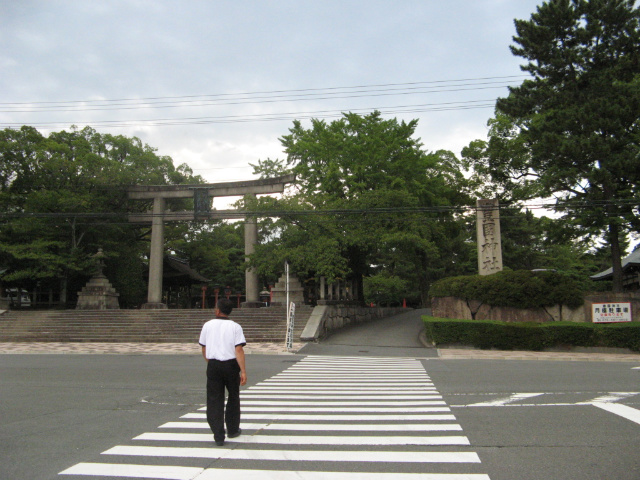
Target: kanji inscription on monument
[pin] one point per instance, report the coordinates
(489, 243)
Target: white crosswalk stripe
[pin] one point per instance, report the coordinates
(335, 427)
(299, 455)
(413, 396)
(348, 409)
(349, 389)
(311, 440)
(341, 417)
(413, 403)
(329, 418)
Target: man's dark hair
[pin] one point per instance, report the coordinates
(225, 306)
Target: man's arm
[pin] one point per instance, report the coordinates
(204, 352)
(240, 359)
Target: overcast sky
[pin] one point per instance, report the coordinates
(214, 84)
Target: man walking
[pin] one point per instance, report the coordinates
(222, 342)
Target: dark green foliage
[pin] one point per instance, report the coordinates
(64, 196)
(127, 275)
(488, 334)
(571, 131)
(215, 250)
(385, 289)
(382, 193)
(622, 335)
(518, 289)
(566, 333)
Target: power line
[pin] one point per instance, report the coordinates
(270, 117)
(260, 98)
(298, 93)
(251, 101)
(243, 101)
(335, 212)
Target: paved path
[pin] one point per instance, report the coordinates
(396, 336)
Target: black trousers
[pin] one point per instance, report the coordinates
(221, 376)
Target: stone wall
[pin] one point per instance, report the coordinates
(453, 307)
(326, 318)
(610, 297)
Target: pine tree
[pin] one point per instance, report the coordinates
(579, 114)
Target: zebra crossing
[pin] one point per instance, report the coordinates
(330, 418)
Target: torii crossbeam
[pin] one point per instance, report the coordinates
(202, 195)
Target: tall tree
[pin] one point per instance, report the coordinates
(64, 196)
(574, 126)
(366, 200)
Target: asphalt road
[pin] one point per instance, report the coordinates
(524, 419)
(537, 420)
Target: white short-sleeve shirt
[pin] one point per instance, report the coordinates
(221, 337)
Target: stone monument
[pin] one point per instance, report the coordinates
(489, 242)
(98, 293)
(296, 291)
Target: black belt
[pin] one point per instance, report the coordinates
(222, 361)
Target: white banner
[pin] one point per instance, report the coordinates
(611, 312)
(290, 322)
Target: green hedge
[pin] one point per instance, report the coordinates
(519, 289)
(487, 334)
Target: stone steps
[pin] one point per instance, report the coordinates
(260, 325)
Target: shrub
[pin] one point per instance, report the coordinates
(620, 335)
(519, 289)
(487, 334)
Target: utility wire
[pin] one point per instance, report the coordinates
(332, 212)
(319, 114)
(261, 98)
(241, 101)
(312, 93)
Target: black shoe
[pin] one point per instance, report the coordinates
(220, 443)
(236, 434)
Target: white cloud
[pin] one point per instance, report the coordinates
(77, 50)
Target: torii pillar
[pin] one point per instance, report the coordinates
(202, 196)
(156, 256)
(251, 282)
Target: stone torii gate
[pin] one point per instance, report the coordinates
(202, 198)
